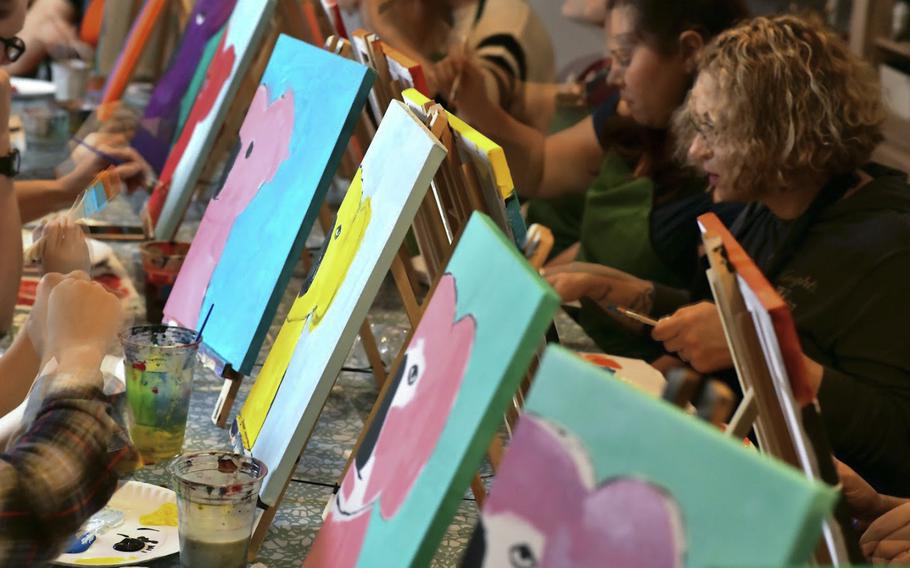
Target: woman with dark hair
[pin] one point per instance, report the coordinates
(641, 204)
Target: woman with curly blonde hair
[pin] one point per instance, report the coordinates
(785, 117)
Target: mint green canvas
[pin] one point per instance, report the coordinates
(465, 360)
(720, 503)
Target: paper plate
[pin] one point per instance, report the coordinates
(150, 513)
(24, 88)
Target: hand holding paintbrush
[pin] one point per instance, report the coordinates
(95, 198)
(89, 157)
(60, 247)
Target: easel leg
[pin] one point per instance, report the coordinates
(264, 522)
(479, 491)
(368, 340)
(494, 452)
(744, 417)
(405, 286)
(292, 19)
(225, 403)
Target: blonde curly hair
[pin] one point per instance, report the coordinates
(795, 102)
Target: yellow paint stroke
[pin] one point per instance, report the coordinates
(493, 151)
(106, 561)
(164, 516)
(309, 309)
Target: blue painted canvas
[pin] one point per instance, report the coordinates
(255, 228)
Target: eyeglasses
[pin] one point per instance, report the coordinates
(14, 47)
(704, 129)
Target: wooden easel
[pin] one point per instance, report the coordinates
(777, 399)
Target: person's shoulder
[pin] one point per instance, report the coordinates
(875, 218)
(885, 196)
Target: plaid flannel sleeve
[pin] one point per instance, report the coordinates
(57, 474)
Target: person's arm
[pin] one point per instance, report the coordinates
(59, 472)
(20, 363)
(10, 222)
(605, 287)
(864, 502)
(18, 367)
(542, 166)
(37, 198)
(864, 392)
(609, 286)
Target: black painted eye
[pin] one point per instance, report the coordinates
(521, 556)
(412, 374)
(249, 150)
(337, 231)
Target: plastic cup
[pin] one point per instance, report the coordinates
(159, 362)
(70, 79)
(217, 494)
(161, 261)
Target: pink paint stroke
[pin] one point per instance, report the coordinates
(265, 144)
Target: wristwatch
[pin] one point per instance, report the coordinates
(9, 164)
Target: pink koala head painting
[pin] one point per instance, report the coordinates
(405, 432)
(265, 139)
(545, 510)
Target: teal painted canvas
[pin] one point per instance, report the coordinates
(600, 474)
(465, 360)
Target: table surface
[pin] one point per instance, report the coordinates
(299, 516)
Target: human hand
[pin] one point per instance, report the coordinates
(133, 170)
(887, 540)
(82, 320)
(459, 80)
(571, 286)
(606, 286)
(696, 334)
(81, 152)
(36, 325)
(587, 11)
(443, 75)
(864, 502)
(64, 249)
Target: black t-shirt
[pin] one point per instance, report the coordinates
(844, 272)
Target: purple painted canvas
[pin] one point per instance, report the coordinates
(158, 125)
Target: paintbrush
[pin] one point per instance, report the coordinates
(100, 153)
(457, 82)
(151, 181)
(205, 321)
(640, 318)
(94, 199)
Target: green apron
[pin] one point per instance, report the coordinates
(616, 232)
(562, 215)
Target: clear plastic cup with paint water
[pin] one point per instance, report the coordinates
(159, 362)
(217, 494)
